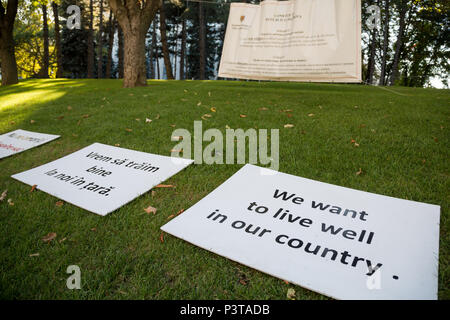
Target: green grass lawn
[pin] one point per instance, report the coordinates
(403, 137)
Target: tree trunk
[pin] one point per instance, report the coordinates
(385, 43)
(202, 41)
(157, 62)
(175, 56)
(399, 43)
(165, 47)
(100, 44)
(7, 55)
(59, 65)
(90, 62)
(120, 51)
(152, 51)
(111, 32)
(45, 59)
(134, 60)
(134, 18)
(183, 48)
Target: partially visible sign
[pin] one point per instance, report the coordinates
(101, 178)
(297, 40)
(20, 140)
(340, 242)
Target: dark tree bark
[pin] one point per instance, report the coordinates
(90, 62)
(59, 64)
(134, 17)
(7, 54)
(165, 47)
(111, 32)
(385, 43)
(183, 48)
(398, 45)
(152, 51)
(43, 73)
(202, 41)
(100, 44)
(120, 51)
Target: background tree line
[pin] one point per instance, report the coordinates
(180, 39)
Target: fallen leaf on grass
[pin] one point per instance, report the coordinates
(243, 116)
(177, 138)
(34, 255)
(62, 240)
(10, 202)
(153, 193)
(147, 120)
(243, 282)
(85, 116)
(33, 187)
(213, 109)
(288, 125)
(129, 130)
(173, 125)
(49, 237)
(161, 237)
(4, 194)
(290, 294)
(12, 122)
(165, 186)
(359, 172)
(287, 282)
(263, 109)
(150, 209)
(157, 116)
(32, 121)
(199, 104)
(117, 144)
(174, 215)
(311, 115)
(59, 203)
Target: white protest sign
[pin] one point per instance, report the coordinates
(340, 242)
(298, 40)
(20, 140)
(101, 178)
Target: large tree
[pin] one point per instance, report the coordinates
(59, 72)
(134, 18)
(7, 56)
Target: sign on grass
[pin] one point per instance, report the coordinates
(297, 40)
(20, 140)
(101, 178)
(340, 242)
